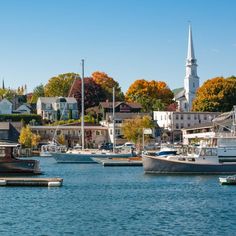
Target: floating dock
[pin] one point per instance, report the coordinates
(230, 180)
(119, 161)
(31, 182)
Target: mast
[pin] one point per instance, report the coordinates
(82, 106)
(113, 116)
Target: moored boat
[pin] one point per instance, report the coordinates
(198, 160)
(229, 180)
(9, 164)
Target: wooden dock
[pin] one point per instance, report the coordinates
(31, 182)
(119, 161)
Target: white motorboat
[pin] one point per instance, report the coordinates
(51, 147)
(229, 180)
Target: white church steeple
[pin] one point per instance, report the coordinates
(191, 81)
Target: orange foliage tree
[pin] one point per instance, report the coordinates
(152, 95)
(107, 83)
(216, 95)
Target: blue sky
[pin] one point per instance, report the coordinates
(127, 39)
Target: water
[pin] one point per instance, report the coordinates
(118, 201)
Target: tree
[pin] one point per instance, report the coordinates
(61, 139)
(216, 95)
(27, 138)
(151, 95)
(133, 128)
(107, 83)
(93, 93)
(37, 92)
(59, 86)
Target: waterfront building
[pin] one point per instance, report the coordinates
(186, 95)
(94, 134)
(123, 111)
(172, 122)
(57, 108)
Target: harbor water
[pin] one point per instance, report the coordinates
(97, 200)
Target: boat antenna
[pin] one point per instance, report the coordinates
(82, 106)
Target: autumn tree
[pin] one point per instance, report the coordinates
(216, 95)
(93, 93)
(107, 83)
(59, 86)
(132, 129)
(150, 94)
(27, 138)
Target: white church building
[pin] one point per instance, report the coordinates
(184, 98)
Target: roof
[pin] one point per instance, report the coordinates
(224, 116)
(57, 99)
(180, 94)
(110, 104)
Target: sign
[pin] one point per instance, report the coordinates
(147, 131)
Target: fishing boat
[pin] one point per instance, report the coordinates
(219, 158)
(51, 147)
(82, 155)
(10, 164)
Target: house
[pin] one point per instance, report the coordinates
(172, 122)
(120, 107)
(57, 108)
(5, 106)
(94, 134)
(24, 109)
(123, 111)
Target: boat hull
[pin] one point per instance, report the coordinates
(164, 166)
(85, 157)
(18, 166)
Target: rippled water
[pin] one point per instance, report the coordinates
(118, 201)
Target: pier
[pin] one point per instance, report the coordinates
(119, 161)
(31, 182)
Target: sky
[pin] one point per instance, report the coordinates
(127, 39)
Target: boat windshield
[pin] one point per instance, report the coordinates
(208, 152)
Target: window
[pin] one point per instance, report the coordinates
(176, 116)
(181, 116)
(177, 126)
(189, 116)
(182, 125)
(97, 132)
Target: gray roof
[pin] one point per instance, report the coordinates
(55, 99)
(180, 94)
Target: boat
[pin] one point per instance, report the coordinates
(51, 147)
(88, 156)
(10, 164)
(81, 155)
(167, 149)
(229, 180)
(216, 157)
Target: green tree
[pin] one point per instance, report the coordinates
(37, 92)
(59, 86)
(216, 95)
(132, 129)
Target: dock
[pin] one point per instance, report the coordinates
(119, 161)
(31, 182)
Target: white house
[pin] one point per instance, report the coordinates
(174, 121)
(57, 108)
(5, 107)
(185, 96)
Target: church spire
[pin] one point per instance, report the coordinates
(190, 55)
(3, 85)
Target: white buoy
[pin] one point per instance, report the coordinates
(54, 184)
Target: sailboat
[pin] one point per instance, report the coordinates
(90, 156)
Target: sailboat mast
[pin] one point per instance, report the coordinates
(113, 116)
(82, 106)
